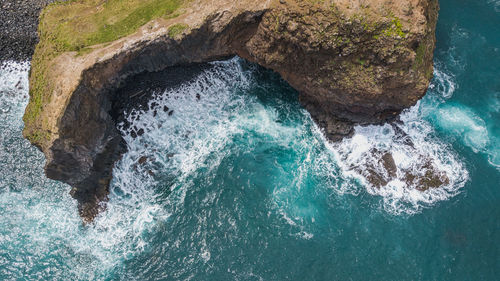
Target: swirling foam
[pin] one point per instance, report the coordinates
(40, 229)
(413, 145)
(193, 127)
(411, 151)
(460, 121)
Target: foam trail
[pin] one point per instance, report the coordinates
(462, 121)
(459, 121)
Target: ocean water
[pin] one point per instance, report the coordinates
(239, 184)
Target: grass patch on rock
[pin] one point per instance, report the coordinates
(176, 29)
(76, 25)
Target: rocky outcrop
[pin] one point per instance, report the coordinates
(353, 62)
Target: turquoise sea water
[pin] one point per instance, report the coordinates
(241, 185)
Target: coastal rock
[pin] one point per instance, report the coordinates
(379, 173)
(353, 62)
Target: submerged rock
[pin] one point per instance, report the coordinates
(428, 177)
(381, 172)
(423, 176)
(353, 62)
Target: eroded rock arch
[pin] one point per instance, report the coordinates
(350, 66)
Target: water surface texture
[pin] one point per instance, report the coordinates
(230, 179)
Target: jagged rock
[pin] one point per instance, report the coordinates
(353, 62)
(382, 169)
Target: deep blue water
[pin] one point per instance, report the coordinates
(241, 185)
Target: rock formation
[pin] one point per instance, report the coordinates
(352, 61)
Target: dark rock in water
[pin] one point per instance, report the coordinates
(140, 165)
(389, 164)
(19, 85)
(427, 178)
(383, 171)
(423, 177)
(375, 178)
(142, 160)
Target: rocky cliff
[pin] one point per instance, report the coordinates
(352, 61)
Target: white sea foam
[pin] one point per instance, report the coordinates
(50, 222)
(13, 87)
(415, 151)
(200, 121)
(462, 121)
(443, 83)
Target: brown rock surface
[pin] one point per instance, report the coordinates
(353, 62)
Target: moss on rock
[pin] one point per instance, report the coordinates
(177, 29)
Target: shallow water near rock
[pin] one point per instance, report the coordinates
(235, 182)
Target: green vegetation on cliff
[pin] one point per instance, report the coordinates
(76, 25)
(176, 29)
(73, 25)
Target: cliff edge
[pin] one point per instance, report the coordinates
(352, 61)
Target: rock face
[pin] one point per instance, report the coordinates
(352, 61)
